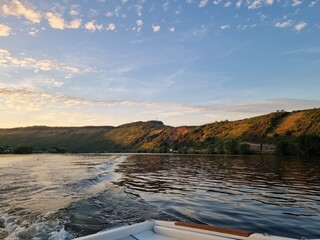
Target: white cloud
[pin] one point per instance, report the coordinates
(33, 32)
(224, 27)
(156, 28)
(313, 3)
(93, 13)
(70, 69)
(92, 26)
(55, 20)
(202, 3)
(300, 26)
(139, 23)
(227, 4)
(44, 65)
(4, 30)
(241, 27)
(139, 10)
(253, 4)
(111, 27)
(296, 3)
(16, 8)
(75, 10)
(52, 82)
(109, 14)
(283, 24)
(172, 29)
(76, 23)
(239, 3)
(68, 76)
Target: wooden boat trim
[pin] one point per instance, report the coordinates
(240, 233)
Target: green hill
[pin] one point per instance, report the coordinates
(154, 136)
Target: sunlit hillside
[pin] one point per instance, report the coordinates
(154, 136)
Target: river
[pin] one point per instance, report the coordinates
(70, 195)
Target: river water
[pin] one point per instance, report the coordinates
(65, 196)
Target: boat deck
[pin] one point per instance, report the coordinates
(147, 235)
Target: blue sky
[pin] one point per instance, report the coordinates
(185, 62)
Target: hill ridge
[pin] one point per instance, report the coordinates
(155, 136)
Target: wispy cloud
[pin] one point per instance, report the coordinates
(165, 6)
(315, 50)
(228, 4)
(239, 3)
(235, 49)
(253, 4)
(7, 60)
(313, 3)
(223, 27)
(284, 24)
(296, 3)
(35, 100)
(271, 105)
(31, 100)
(16, 8)
(202, 3)
(74, 10)
(4, 30)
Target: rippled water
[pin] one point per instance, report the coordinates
(64, 196)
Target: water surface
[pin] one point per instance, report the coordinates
(64, 196)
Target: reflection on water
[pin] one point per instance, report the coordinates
(257, 193)
(63, 196)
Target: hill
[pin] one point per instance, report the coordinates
(154, 136)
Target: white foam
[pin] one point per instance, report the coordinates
(54, 230)
(60, 235)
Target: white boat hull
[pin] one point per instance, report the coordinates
(162, 230)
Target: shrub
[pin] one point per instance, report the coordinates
(22, 149)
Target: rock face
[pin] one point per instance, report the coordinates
(154, 136)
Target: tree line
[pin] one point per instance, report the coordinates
(27, 149)
(302, 145)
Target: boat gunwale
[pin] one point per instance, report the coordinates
(241, 233)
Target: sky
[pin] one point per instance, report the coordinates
(184, 62)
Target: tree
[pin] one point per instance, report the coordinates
(57, 150)
(231, 146)
(309, 145)
(220, 148)
(22, 149)
(283, 147)
(244, 149)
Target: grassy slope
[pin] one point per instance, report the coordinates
(152, 135)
